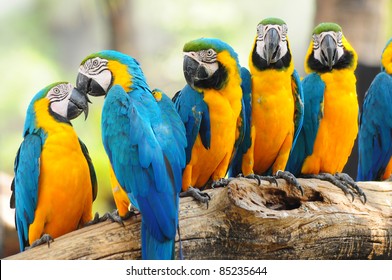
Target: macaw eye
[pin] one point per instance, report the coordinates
(93, 66)
(208, 56)
(56, 90)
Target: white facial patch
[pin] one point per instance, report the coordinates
(206, 58)
(59, 98)
(262, 31)
(96, 68)
(318, 38)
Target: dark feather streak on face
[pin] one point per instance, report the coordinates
(344, 62)
(262, 64)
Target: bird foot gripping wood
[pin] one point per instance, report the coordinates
(260, 178)
(287, 176)
(343, 182)
(346, 179)
(197, 195)
(114, 217)
(222, 182)
(46, 238)
(290, 179)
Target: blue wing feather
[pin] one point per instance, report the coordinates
(244, 142)
(137, 137)
(375, 133)
(25, 185)
(313, 91)
(195, 116)
(173, 144)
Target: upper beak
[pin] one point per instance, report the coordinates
(87, 85)
(272, 49)
(193, 70)
(328, 51)
(78, 104)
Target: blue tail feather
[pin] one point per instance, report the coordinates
(153, 249)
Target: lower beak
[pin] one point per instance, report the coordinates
(78, 104)
(87, 85)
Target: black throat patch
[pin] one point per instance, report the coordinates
(261, 64)
(344, 62)
(216, 81)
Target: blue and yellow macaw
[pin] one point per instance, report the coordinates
(276, 105)
(375, 132)
(46, 207)
(210, 106)
(330, 123)
(144, 139)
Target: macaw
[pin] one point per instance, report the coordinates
(330, 123)
(144, 139)
(375, 132)
(210, 106)
(47, 207)
(276, 105)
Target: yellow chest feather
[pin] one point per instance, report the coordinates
(224, 109)
(272, 116)
(339, 125)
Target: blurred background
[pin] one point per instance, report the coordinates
(44, 41)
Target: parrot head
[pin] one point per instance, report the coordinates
(63, 101)
(207, 63)
(329, 49)
(386, 58)
(271, 43)
(99, 71)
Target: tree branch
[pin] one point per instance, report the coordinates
(247, 221)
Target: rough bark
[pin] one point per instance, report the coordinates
(247, 221)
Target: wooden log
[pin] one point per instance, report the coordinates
(248, 221)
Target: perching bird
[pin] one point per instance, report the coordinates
(330, 123)
(144, 139)
(276, 106)
(55, 183)
(375, 132)
(210, 106)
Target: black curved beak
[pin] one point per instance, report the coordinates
(272, 49)
(328, 51)
(78, 103)
(87, 85)
(193, 70)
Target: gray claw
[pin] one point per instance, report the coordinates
(196, 194)
(290, 179)
(345, 178)
(259, 178)
(46, 238)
